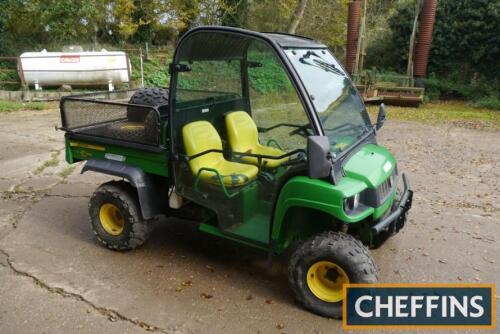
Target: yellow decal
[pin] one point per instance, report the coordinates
(89, 146)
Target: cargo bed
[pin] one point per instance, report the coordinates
(107, 117)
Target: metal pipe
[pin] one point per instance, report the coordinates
(353, 17)
(424, 38)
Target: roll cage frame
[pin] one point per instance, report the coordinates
(277, 49)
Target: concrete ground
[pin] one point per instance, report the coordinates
(55, 278)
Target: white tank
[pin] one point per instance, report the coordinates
(75, 68)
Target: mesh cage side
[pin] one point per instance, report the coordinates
(93, 115)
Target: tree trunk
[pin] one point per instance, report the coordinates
(297, 16)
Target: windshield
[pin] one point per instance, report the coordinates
(339, 107)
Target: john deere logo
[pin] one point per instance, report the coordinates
(419, 305)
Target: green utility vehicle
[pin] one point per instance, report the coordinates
(262, 139)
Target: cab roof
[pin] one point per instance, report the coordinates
(219, 42)
(293, 41)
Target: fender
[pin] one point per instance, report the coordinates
(302, 191)
(146, 189)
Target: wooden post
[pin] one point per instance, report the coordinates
(142, 68)
(357, 68)
(362, 55)
(411, 49)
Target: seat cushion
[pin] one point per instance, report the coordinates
(201, 136)
(233, 174)
(244, 137)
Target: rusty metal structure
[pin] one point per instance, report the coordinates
(353, 20)
(424, 38)
(400, 89)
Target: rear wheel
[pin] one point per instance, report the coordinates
(115, 216)
(322, 265)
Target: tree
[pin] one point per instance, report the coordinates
(234, 13)
(297, 16)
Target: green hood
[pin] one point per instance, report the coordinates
(372, 165)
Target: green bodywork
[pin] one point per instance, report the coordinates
(317, 203)
(303, 207)
(149, 161)
(365, 169)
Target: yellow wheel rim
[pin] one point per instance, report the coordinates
(111, 218)
(325, 280)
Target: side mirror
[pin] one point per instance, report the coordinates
(318, 151)
(380, 117)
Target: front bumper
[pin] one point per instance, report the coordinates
(396, 219)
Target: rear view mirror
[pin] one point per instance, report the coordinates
(318, 151)
(380, 117)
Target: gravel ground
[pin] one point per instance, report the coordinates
(55, 277)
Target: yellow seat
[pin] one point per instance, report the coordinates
(244, 137)
(201, 136)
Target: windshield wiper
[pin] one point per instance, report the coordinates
(328, 66)
(307, 55)
(320, 63)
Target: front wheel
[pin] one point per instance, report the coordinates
(322, 265)
(115, 216)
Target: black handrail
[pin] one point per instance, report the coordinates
(244, 154)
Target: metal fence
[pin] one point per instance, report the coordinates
(14, 66)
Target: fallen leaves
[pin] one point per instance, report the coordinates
(184, 285)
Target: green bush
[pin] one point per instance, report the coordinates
(480, 93)
(490, 102)
(269, 77)
(155, 71)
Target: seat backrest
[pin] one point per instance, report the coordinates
(198, 137)
(241, 131)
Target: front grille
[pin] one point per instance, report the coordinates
(385, 188)
(375, 197)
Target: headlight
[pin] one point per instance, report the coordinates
(351, 203)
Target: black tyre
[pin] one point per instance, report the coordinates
(320, 266)
(115, 216)
(146, 96)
